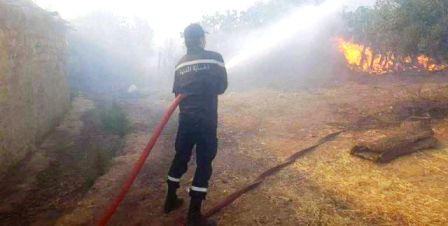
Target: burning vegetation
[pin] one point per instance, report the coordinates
(362, 58)
(396, 36)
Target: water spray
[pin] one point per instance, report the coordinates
(299, 20)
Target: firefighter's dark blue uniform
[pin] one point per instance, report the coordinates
(200, 76)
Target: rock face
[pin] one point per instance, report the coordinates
(34, 92)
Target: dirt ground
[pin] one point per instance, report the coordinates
(259, 128)
(57, 174)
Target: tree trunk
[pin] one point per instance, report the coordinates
(372, 60)
(394, 60)
(381, 60)
(363, 55)
(414, 62)
(386, 59)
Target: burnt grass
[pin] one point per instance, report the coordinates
(74, 165)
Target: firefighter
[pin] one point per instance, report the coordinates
(200, 76)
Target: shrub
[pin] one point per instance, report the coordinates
(114, 120)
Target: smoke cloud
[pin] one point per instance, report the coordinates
(111, 53)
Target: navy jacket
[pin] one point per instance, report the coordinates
(201, 76)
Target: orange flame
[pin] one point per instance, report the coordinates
(362, 59)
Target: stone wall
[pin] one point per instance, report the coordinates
(34, 92)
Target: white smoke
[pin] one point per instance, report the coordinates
(301, 21)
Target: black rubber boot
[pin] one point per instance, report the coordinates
(195, 217)
(172, 202)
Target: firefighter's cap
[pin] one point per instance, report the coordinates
(194, 31)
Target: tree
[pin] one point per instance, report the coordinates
(402, 29)
(260, 14)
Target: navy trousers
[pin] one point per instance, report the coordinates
(202, 137)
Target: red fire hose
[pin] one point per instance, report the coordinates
(139, 164)
(223, 203)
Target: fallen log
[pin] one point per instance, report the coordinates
(385, 145)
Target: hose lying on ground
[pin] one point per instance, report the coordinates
(260, 179)
(139, 164)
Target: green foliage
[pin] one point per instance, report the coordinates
(402, 28)
(114, 120)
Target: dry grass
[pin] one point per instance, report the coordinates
(409, 191)
(259, 129)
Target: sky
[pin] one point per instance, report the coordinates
(166, 17)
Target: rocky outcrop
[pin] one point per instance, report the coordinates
(34, 93)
